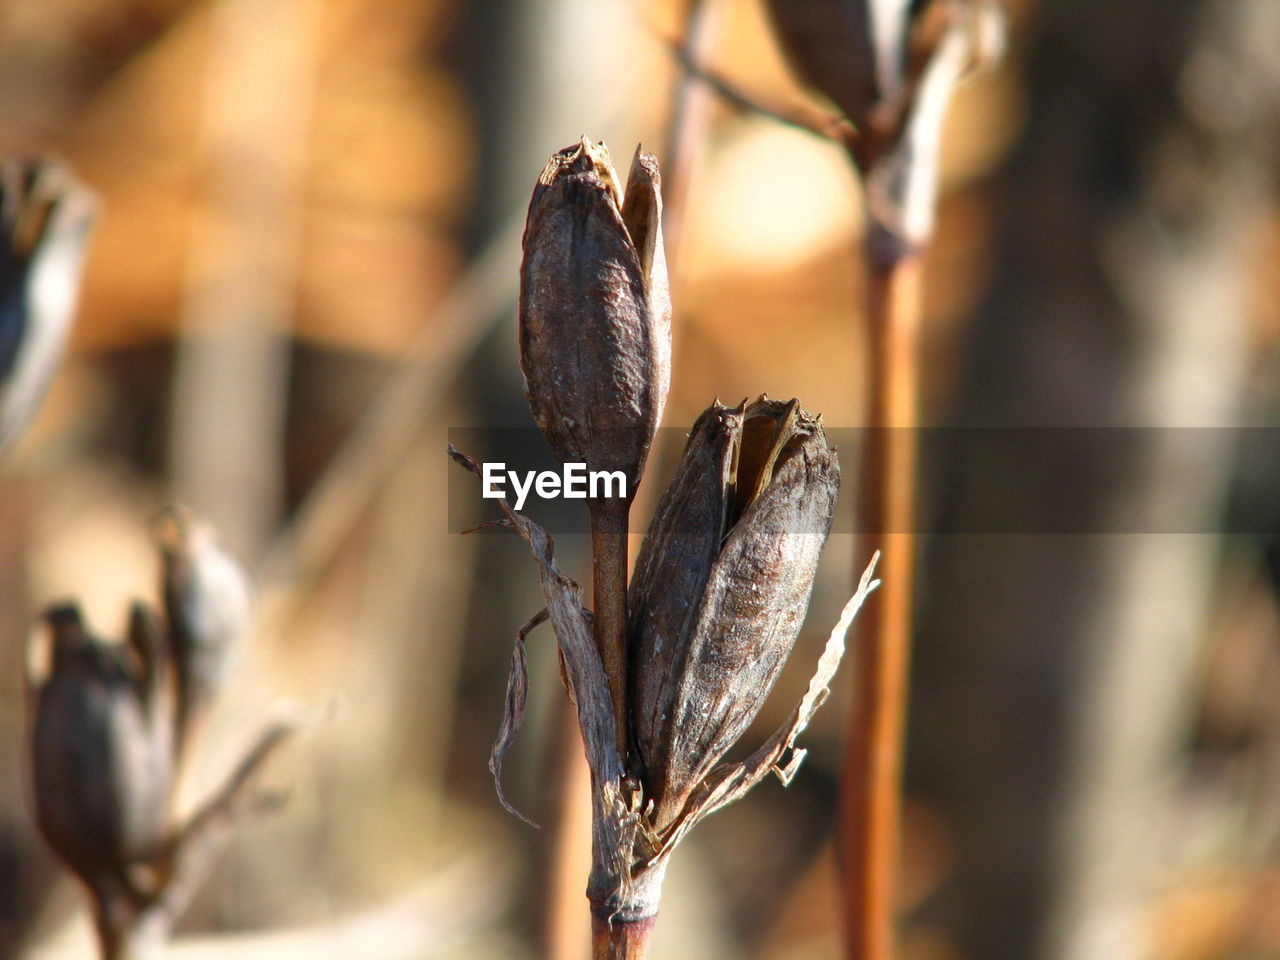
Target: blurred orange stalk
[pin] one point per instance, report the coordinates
(870, 815)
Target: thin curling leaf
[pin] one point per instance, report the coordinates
(595, 312)
(587, 683)
(513, 714)
(722, 585)
(45, 220)
(208, 603)
(101, 769)
(615, 820)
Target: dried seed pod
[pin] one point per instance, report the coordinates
(207, 599)
(45, 217)
(595, 314)
(595, 350)
(891, 66)
(854, 52)
(101, 766)
(721, 586)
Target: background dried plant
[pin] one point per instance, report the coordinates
(356, 172)
(893, 69)
(112, 725)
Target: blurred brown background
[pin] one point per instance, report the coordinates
(304, 274)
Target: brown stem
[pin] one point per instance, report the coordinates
(135, 925)
(692, 107)
(798, 116)
(609, 599)
(619, 939)
(125, 932)
(870, 802)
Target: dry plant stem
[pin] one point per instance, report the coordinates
(131, 930)
(620, 939)
(122, 936)
(232, 358)
(871, 805)
(129, 927)
(796, 116)
(630, 848)
(692, 107)
(609, 601)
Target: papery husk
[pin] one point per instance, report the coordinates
(854, 52)
(722, 585)
(594, 310)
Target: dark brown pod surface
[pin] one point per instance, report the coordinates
(831, 45)
(101, 765)
(594, 311)
(722, 585)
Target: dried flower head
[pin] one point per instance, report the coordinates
(208, 602)
(722, 584)
(103, 751)
(721, 588)
(45, 219)
(668, 671)
(891, 67)
(595, 314)
(101, 760)
(595, 349)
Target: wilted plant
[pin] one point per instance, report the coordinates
(724, 576)
(107, 739)
(595, 350)
(45, 219)
(101, 754)
(721, 588)
(891, 66)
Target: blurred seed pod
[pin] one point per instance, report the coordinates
(208, 603)
(46, 217)
(595, 313)
(854, 52)
(101, 765)
(891, 67)
(721, 586)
